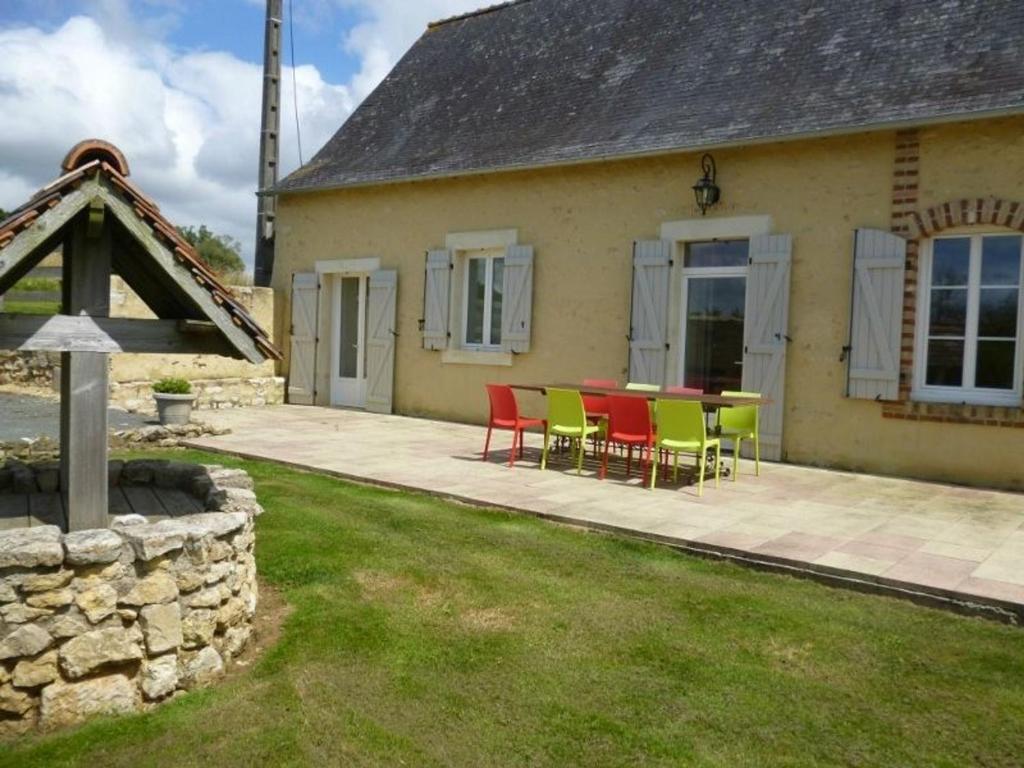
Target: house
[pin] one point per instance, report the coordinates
(515, 203)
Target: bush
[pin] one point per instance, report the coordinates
(172, 387)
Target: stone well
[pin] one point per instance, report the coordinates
(114, 620)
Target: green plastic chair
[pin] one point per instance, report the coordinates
(738, 424)
(681, 427)
(567, 418)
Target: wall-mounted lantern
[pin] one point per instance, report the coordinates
(705, 190)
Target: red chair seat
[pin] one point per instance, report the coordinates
(505, 415)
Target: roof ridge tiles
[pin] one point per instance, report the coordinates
(478, 12)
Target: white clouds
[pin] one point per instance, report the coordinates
(188, 122)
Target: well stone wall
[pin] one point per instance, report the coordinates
(116, 620)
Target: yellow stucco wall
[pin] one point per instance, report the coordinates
(582, 221)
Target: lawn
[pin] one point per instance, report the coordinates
(427, 634)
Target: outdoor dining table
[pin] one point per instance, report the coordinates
(710, 402)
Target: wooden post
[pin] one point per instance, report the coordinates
(84, 385)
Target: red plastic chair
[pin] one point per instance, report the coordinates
(596, 406)
(685, 390)
(629, 424)
(505, 415)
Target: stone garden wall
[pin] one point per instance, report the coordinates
(34, 369)
(115, 620)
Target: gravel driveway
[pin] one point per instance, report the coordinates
(30, 416)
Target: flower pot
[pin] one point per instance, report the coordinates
(174, 409)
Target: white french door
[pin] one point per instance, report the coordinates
(348, 345)
(712, 315)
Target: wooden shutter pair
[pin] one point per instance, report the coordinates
(381, 307)
(516, 305)
(765, 324)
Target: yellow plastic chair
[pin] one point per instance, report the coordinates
(740, 423)
(567, 418)
(681, 427)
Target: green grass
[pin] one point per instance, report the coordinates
(429, 634)
(31, 307)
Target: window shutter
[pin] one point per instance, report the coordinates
(876, 315)
(765, 331)
(381, 301)
(648, 324)
(437, 287)
(517, 298)
(302, 360)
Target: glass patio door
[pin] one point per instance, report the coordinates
(348, 351)
(713, 305)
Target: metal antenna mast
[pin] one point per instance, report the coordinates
(266, 205)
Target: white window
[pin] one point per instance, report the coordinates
(969, 320)
(482, 295)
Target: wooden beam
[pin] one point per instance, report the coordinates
(67, 333)
(85, 380)
(43, 237)
(173, 271)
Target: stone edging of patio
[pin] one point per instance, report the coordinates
(934, 597)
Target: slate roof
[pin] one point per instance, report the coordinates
(91, 158)
(546, 82)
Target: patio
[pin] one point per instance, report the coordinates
(956, 546)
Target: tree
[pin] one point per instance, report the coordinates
(219, 252)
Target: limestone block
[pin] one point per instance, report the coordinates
(224, 477)
(205, 598)
(231, 613)
(189, 578)
(157, 587)
(95, 546)
(126, 521)
(58, 598)
(43, 582)
(215, 524)
(220, 571)
(201, 668)
(36, 672)
(235, 640)
(161, 627)
(13, 701)
(69, 703)
(176, 474)
(19, 613)
(197, 627)
(31, 547)
(81, 655)
(68, 625)
(97, 603)
(4, 674)
(159, 676)
(155, 539)
(7, 592)
(25, 641)
(221, 550)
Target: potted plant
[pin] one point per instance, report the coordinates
(174, 400)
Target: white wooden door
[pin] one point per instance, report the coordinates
(876, 315)
(302, 357)
(648, 325)
(348, 348)
(766, 333)
(380, 340)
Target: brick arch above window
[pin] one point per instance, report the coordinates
(966, 211)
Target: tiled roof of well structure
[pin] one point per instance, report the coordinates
(93, 158)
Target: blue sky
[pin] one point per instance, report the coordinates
(176, 84)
